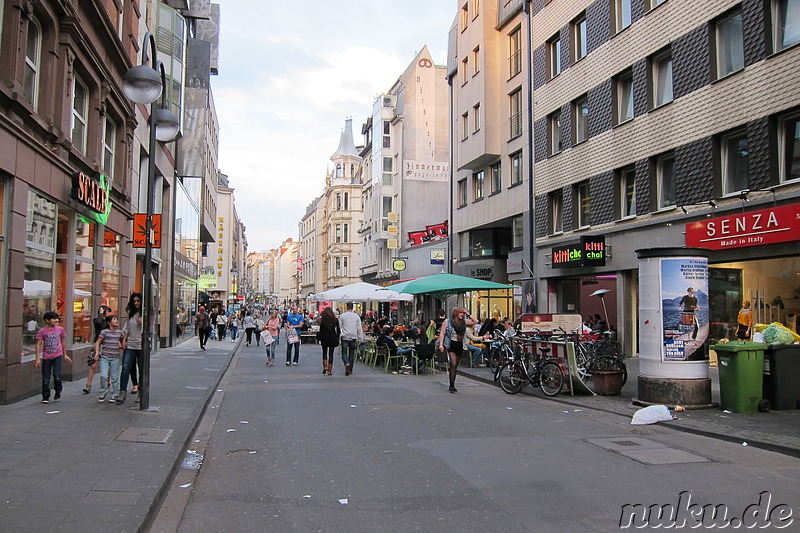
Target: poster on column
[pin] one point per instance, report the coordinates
(684, 308)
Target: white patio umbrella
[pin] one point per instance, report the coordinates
(360, 292)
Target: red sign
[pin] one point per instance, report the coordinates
(740, 230)
(140, 231)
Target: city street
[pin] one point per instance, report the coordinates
(290, 449)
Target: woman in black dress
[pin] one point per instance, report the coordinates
(328, 336)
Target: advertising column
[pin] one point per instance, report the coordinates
(673, 315)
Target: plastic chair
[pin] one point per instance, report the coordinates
(398, 359)
(425, 355)
(381, 354)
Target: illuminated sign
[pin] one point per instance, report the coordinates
(591, 251)
(741, 230)
(93, 193)
(399, 265)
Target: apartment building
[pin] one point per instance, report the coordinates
(310, 251)
(490, 199)
(667, 123)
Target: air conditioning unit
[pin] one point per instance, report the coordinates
(390, 100)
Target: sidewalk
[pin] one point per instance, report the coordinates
(63, 467)
(778, 431)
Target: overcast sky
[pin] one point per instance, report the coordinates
(290, 74)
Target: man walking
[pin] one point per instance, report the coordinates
(294, 324)
(352, 336)
(203, 326)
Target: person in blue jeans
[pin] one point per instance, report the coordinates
(352, 335)
(50, 351)
(131, 343)
(295, 321)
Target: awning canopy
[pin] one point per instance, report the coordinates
(360, 292)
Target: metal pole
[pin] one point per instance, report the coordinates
(531, 185)
(147, 268)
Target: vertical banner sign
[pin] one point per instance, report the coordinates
(140, 236)
(684, 308)
(220, 240)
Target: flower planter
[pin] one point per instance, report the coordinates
(607, 383)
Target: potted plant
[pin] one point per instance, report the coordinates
(607, 382)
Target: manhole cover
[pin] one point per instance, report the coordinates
(148, 435)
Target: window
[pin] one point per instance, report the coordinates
(476, 118)
(386, 208)
(582, 200)
(476, 5)
(464, 126)
(464, 16)
(515, 114)
(627, 192)
(481, 243)
(661, 78)
(729, 44)
(39, 269)
(516, 168)
(578, 37)
(111, 271)
(556, 212)
(345, 233)
(785, 23)
(478, 183)
(620, 14)
(553, 57)
(476, 64)
(338, 267)
(650, 4)
(388, 170)
(344, 266)
(33, 58)
(666, 189)
(733, 162)
(387, 137)
(554, 133)
(789, 147)
(464, 70)
(514, 53)
(338, 234)
(80, 112)
(346, 201)
(623, 97)
(83, 272)
(462, 193)
(339, 171)
(580, 116)
(109, 142)
(517, 232)
(496, 183)
(338, 201)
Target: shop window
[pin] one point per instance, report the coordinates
(40, 248)
(733, 154)
(111, 270)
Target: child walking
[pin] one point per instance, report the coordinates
(49, 353)
(107, 347)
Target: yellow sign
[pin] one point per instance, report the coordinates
(393, 230)
(392, 244)
(399, 265)
(393, 218)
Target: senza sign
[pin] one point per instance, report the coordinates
(591, 251)
(740, 230)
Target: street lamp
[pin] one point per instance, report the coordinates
(143, 84)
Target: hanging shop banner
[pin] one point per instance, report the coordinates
(140, 231)
(684, 308)
(591, 251)
(740, 230)
(530, 322)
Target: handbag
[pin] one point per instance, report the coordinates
(291, 336)
(266, 338)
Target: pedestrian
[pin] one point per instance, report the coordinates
(249, 325)
(108, 345)
(273, 327)
(100, 323)
(352, 335)
(131, 342)
(222, 321)
(233, 325)
(259, 328)
(294, 325)
(744, 321)
(451, 338)
(203, 324)
(328, 336)
(50, 351)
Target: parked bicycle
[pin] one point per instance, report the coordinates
(523, 369)
(500, 349)
(598, 353)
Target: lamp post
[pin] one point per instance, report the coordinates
(143, 84)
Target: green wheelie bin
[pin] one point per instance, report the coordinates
(741, 371)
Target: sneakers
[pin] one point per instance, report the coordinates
(102, 398)
(295, 363)
(87, 389)
(288, 363)
(121, 397)
(57, 396)
(45, 400)
(405, 367)
(114, 399)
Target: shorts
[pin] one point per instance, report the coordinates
(456, 348)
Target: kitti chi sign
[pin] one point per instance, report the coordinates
(739, 230)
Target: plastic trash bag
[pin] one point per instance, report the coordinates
(651, 415)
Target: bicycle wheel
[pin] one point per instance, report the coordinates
(495, 356)
(583, 361)
(550, 378)
(510, 379)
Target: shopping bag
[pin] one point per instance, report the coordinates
(266, 338)
(291, 336)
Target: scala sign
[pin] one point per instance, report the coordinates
(590, 252)
(740, 230)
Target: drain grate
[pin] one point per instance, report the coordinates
(625, 443)
(147, 435)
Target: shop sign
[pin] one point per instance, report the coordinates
(140, 236)
(740, 230)
(531, 322)
(481, 272)
(591, 251)
(399, 264)
(92, 193)
(432, 233)
(437, 257)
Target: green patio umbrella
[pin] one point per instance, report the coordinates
(443, 283)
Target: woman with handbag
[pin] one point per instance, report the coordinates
(271, 339)
(328, 336)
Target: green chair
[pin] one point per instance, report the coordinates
(396, 358)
